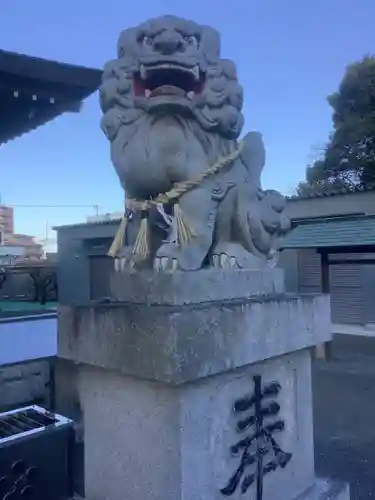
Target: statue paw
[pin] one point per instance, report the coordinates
(224, 261)
(227, 255)
(166, 258)
(122, 264)
(165, 264)
(171, 257)
(123, 260)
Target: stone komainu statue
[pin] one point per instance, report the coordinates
(172, 113)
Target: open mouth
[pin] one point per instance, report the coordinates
(168, 79)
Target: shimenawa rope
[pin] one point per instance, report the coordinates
(185, 232)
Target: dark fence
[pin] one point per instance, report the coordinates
(33, 282)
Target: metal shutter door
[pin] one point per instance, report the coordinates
(101, 268)
(368, 277)
(309, 271)
(347, 298)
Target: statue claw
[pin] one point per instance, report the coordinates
(123, 263)
(174, 265)
(117, 265)
(165, 264)
(216, 260)
(120, 264)
(157, 264)
(233, 262)
(223, 261)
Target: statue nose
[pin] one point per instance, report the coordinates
(169, 43)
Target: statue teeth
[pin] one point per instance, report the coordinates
(147, 93)
(143, 70)
(190, 95)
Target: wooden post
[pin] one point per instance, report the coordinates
(324, 351)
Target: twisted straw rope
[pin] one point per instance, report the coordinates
(176, 192)
(182, 187)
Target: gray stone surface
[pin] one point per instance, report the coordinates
(157, 379)
(154, 441)
(170, 130)
(23, 383)
(193, 288)
(324, 489)
(176, 344)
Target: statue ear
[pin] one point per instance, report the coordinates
(210, 43)
(127, 43)
(111, 123)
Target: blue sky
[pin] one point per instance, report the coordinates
(290, 54)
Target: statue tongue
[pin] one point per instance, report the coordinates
(167, 90)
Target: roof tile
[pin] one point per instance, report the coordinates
(332, 232)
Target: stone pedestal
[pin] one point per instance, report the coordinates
(160, 375)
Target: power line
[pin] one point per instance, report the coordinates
(54, 206)
(95, 207)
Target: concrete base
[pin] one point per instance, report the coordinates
(159, 375)
(207, 285)
(163, 441)
(322, 490)
(182, 343)
(325, 489)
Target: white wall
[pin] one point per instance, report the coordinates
(27, 339)
(13, 250)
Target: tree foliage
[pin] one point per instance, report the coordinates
(348, 160)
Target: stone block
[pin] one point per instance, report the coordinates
(23, 383)
(180, 343)
(162, 441)
(158, 376)
(324, 489)
(194, 288)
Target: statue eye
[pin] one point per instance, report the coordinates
(147, 41)
(192, 41)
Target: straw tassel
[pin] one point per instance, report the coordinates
(185, 233)
(141, 248)
(119, 238)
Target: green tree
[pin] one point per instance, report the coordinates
(348, 160)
